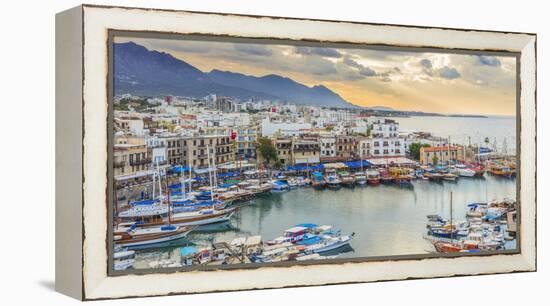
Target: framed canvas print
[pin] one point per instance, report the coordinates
(201, 152)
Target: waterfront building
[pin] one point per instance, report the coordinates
(284, 149)
(306, 150)
(172, 144)
(246, 137)
(385, 139)
(130, 155)
(347, 146)
(158, 149)
(194, 150)
(443, 154)
(328, 146)
(365, 147)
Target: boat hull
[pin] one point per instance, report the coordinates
(151, 240)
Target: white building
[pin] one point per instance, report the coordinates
(286, 128)
(158, 149)
(385, 140)
(328, 146)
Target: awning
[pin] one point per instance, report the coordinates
(179, 169)
(132, 176)
(310, 160)
(357, 163)
(384, 161)
(305, 167)
(334, 166)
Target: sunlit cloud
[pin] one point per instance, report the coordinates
(424, 81)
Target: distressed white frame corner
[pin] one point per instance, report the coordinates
(81, 151)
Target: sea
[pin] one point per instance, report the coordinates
(501, 130)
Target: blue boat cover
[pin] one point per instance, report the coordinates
(319, 167)
(188, 251)
(309, 239)
(144, 202)
(356, 163)
(307, 225)
(179, 169)
(182, 203)
(279, 183)
(167, 228)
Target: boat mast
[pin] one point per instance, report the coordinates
(154, 183)
(190, 167)
(449, 150)
(452, 216)
(160, 183)
(182, 181)
(168, 197)
(210, 174)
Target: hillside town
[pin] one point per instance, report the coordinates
(176, 131)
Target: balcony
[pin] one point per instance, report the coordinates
(140, 162)
(119, 164)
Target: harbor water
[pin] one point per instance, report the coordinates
(466, 130)
(387, 220)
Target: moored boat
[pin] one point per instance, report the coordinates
(346, 179)
(500, 169)
(360, 179)
(332, 180)
(373, 177)
(146, 236)
(385, 177)
(465, 171)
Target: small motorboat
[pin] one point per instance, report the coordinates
(373, 177)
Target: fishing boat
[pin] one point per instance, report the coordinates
(147, 236)
(278, 186)
(329, 243)
(204, 216)
(465, 171)
(146, 208)
(293, 234)
(454, 247)
(433, 176)
(256, 187)
(332, 180)
(500, 169)
(401, 176)
(450, 177)
(373, 177)
(346, 179)
(385, 177)
(360, 179)
(318, 182)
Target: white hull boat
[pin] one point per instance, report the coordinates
(150, 235)
(329, 244)
(466, 172)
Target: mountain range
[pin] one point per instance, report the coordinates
(144, 72)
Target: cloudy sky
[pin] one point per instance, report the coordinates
(430, 82)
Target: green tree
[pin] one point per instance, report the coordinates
(267, 150)
(414, 149)
(486, 140)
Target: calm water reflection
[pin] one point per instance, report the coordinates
(387, 220)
